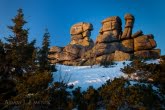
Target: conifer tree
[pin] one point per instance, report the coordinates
(19, 51)
(7, 84)
(31, 82)
(20, 35)
(43, 52)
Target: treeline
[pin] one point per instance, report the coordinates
(26, 81)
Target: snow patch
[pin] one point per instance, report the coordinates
(85, 76)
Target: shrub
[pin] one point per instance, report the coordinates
(106, 64)
(119, 94)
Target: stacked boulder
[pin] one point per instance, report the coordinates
(107, 41)
(127, 43)
(144, 47)
(80, 34)
(81, 42)
(111, 44)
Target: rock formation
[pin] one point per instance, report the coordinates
(80, 34)
(111, 44)
(80, 42)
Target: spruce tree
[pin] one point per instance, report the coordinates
(7, 84)
(43, 52)
(19, 51)
(20, 35)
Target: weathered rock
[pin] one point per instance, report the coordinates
(87, 26)
(114, 33)
(53, 61)
(105, 38)
(76, 37)
(111, 23)
(64, 56)
(80, 28)
(155, 53)
(101, 30)
(86, 33)
(102, 48)
(144, 42)
(76, 28)
(88, 54)
(108, 26)
(121, 56)
(129, 21)
(52, 56)
(74, 49)
(127, 45)
(87, 42)
(108, 57)
(138, 33)
(111, 44)
(129, 17)
(81, 36)
(55, 49)
(112, 18)
(70, 63)
(126, 33)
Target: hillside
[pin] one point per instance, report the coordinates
(85, 76)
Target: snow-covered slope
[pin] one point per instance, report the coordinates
(85, 76)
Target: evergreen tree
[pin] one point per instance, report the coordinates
(19, 51)
(31, 83)
(20, 35)
(7, 84)
(43, 52)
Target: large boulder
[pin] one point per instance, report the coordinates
(144, 42)
(121, 56)
(129, 21)
(127, 45)
(106, 48)
(87, 26)
(80, 28)
(55, 49)
(136, 34)
(80, 34)
(108, 57)
(155, 53)
(106, 38)
(73, 49)
(111, 23)
(76, 37)
(86, 33)
(65, 56)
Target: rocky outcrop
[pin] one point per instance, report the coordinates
(144, 42)
(80, 34)
(80, 43)
(111, 44)
(149, 54)
(121, 56)
(110, 30)
(129, 21)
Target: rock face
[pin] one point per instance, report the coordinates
(111, 44)
(121, 56)
(80, 43)
(80, 34)
(129, 21)
(110, 30)
(144, 42)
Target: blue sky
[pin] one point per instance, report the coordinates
(59, 15)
